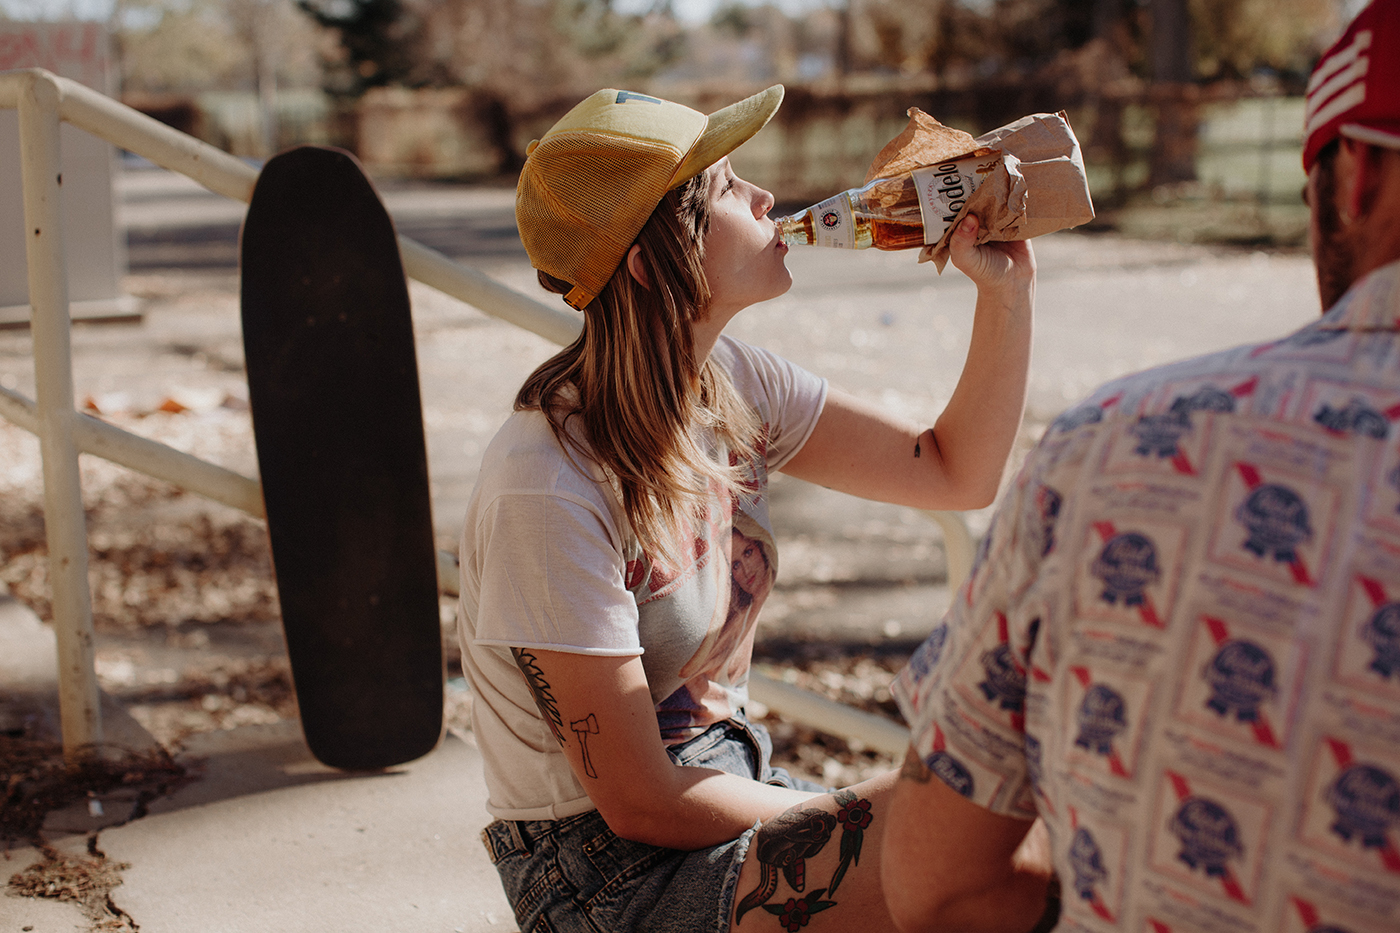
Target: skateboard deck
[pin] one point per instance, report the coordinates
(337, 420)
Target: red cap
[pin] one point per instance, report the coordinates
(1355, 88)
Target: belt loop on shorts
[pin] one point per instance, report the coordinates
(502, 838)
(522, 843)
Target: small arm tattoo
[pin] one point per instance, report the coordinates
(583, 728)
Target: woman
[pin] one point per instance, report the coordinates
(610, 520)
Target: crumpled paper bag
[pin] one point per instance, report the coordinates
(1038, 188)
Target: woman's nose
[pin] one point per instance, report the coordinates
(763, 201)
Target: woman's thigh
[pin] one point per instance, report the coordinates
(817, 866)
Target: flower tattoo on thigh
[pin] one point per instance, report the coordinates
(784, 844)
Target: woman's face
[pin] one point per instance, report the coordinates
(743, 252)
(750, 565)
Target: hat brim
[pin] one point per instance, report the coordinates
(1378, 132)
(726, 130)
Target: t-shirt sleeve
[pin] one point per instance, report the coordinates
(789, 399)
(552, 577)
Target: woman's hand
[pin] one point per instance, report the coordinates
(1003, 270)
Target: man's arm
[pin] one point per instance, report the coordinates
(951, 864)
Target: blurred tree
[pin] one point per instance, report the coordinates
(184, 46)
(1237, 38)
(377, 41)
(529, 51)
(164, 46)
(1173, 156)
(1162, 40)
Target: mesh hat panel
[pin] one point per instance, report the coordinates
(570, 231)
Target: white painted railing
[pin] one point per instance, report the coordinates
(43, 101)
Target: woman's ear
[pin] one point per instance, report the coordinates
(635, 266)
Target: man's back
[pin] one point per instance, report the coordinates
(1189, 614)
(1181, 648)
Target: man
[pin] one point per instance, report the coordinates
(1181, 645)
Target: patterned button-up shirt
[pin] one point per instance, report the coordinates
(1180, 644)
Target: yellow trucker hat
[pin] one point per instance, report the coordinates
(590, 184)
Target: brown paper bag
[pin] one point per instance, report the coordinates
(1039, 187)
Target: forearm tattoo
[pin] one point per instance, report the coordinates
(539, 687)
(784, 844)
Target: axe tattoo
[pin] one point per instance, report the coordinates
(583, 728)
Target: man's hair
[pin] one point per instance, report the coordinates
(633, 382)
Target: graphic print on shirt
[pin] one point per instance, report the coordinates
(1209, 838)
(1290, 832)
(1241, 681)
(1368, 649)
(1173, 437)
(1307, 913)
(743, 571)
(1070, 437)
(1280, 523)
(723, 582)
(1349, 410)
(1037, 528)
(992, 678)
(1352, 808)
(1110, 710)
(651, 578)
(968, 777)
(1096, 856)
(1319, 343)
(1383, 491)
(1127, 572)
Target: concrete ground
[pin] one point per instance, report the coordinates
(268, 839)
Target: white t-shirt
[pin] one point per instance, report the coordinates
(549, 562)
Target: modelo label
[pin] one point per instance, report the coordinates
(833, 223)
(944, 189)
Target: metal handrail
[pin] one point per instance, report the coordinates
(43, 101)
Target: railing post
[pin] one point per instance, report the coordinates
(66, 528)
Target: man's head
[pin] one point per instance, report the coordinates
(1352, 151)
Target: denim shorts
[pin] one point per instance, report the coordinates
(577, 876)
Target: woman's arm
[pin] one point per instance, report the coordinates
(957, 464)
(605, 722)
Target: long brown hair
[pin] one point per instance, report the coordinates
(632, 379)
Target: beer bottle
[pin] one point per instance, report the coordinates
(903, 212)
